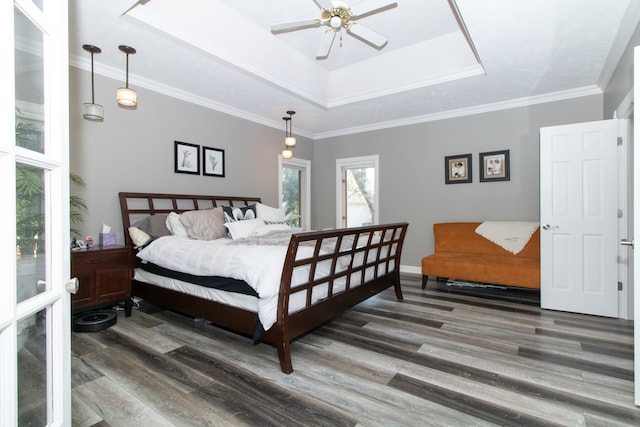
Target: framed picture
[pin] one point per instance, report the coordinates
(457, 169)
(212, 161)
(494, 166)
(187, 158)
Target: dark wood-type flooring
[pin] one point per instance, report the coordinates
(445, 356)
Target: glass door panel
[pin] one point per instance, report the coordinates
(31, 253)
(291, 193)
(359, 196)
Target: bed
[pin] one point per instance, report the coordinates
(320, 274)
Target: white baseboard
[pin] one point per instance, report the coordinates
(410, 269)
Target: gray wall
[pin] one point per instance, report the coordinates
(133, 150)
(621, 81)
(412, 183)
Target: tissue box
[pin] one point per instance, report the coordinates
(107, 239)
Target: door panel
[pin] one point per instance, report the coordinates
(35, 330)
(579, 217)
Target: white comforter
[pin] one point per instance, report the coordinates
(258, 265)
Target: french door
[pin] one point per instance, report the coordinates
(357, 191)
(294, 177)
(34, 250)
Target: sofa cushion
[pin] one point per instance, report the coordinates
(499, 270)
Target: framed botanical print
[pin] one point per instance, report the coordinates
(187, 158)
(494, 166)
(212, 161)
(457, 169)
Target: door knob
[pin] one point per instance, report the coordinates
(625, 242)
(549, 227)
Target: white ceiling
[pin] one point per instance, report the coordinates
(222, 54)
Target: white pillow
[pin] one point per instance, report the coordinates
(240, 229)
(176, 227)
(270, 214)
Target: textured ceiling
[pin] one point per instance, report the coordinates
(222, 54)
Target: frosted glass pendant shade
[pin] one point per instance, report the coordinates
(127, 97)
(93, 112)
(290, 141)
(287, 154)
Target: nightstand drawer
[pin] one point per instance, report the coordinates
(100, 260)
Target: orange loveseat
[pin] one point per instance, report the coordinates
(461, 253)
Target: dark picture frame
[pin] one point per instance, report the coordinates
(186, 158)
(494, 166)
(212, 161)
(457, 169)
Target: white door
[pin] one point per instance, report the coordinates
(579, 218)
(35, 336)
(636, 226)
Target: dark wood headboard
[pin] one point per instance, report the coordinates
(135, 206)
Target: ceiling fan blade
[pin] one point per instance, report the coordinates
(324, 4)
(295, 25)
(371, 6)
(369, 36)
(139, 2)
(325, 44)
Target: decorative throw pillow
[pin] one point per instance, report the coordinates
(154, 225)
(205, 224)
(175, 225)
(240, 229)
(239, 213)
(139, 237)
(270, 215)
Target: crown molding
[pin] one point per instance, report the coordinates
(486, 108)
(116, 74)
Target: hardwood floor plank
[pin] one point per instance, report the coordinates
(118, 407)
(445, 356)
(163, 390)
(469, 405)
(255, 401)
(572, 362)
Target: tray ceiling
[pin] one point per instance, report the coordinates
(222, 54)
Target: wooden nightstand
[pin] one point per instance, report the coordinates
(104, 275)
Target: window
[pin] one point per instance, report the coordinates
(357, 191)
(294, 177)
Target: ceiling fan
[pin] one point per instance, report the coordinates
(335, 15)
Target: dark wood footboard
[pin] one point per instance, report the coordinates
(361, 262)
(331, 271)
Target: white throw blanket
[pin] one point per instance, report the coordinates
(511, 235)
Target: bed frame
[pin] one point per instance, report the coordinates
(381, 261)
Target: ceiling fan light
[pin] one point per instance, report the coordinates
(335, 22)
(287, 154)
(93, 112)
(290, 141)
(127, 97)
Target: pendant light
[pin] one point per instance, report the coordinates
(127, 97)
(289, 139)
(287, 153)
(91, 110)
